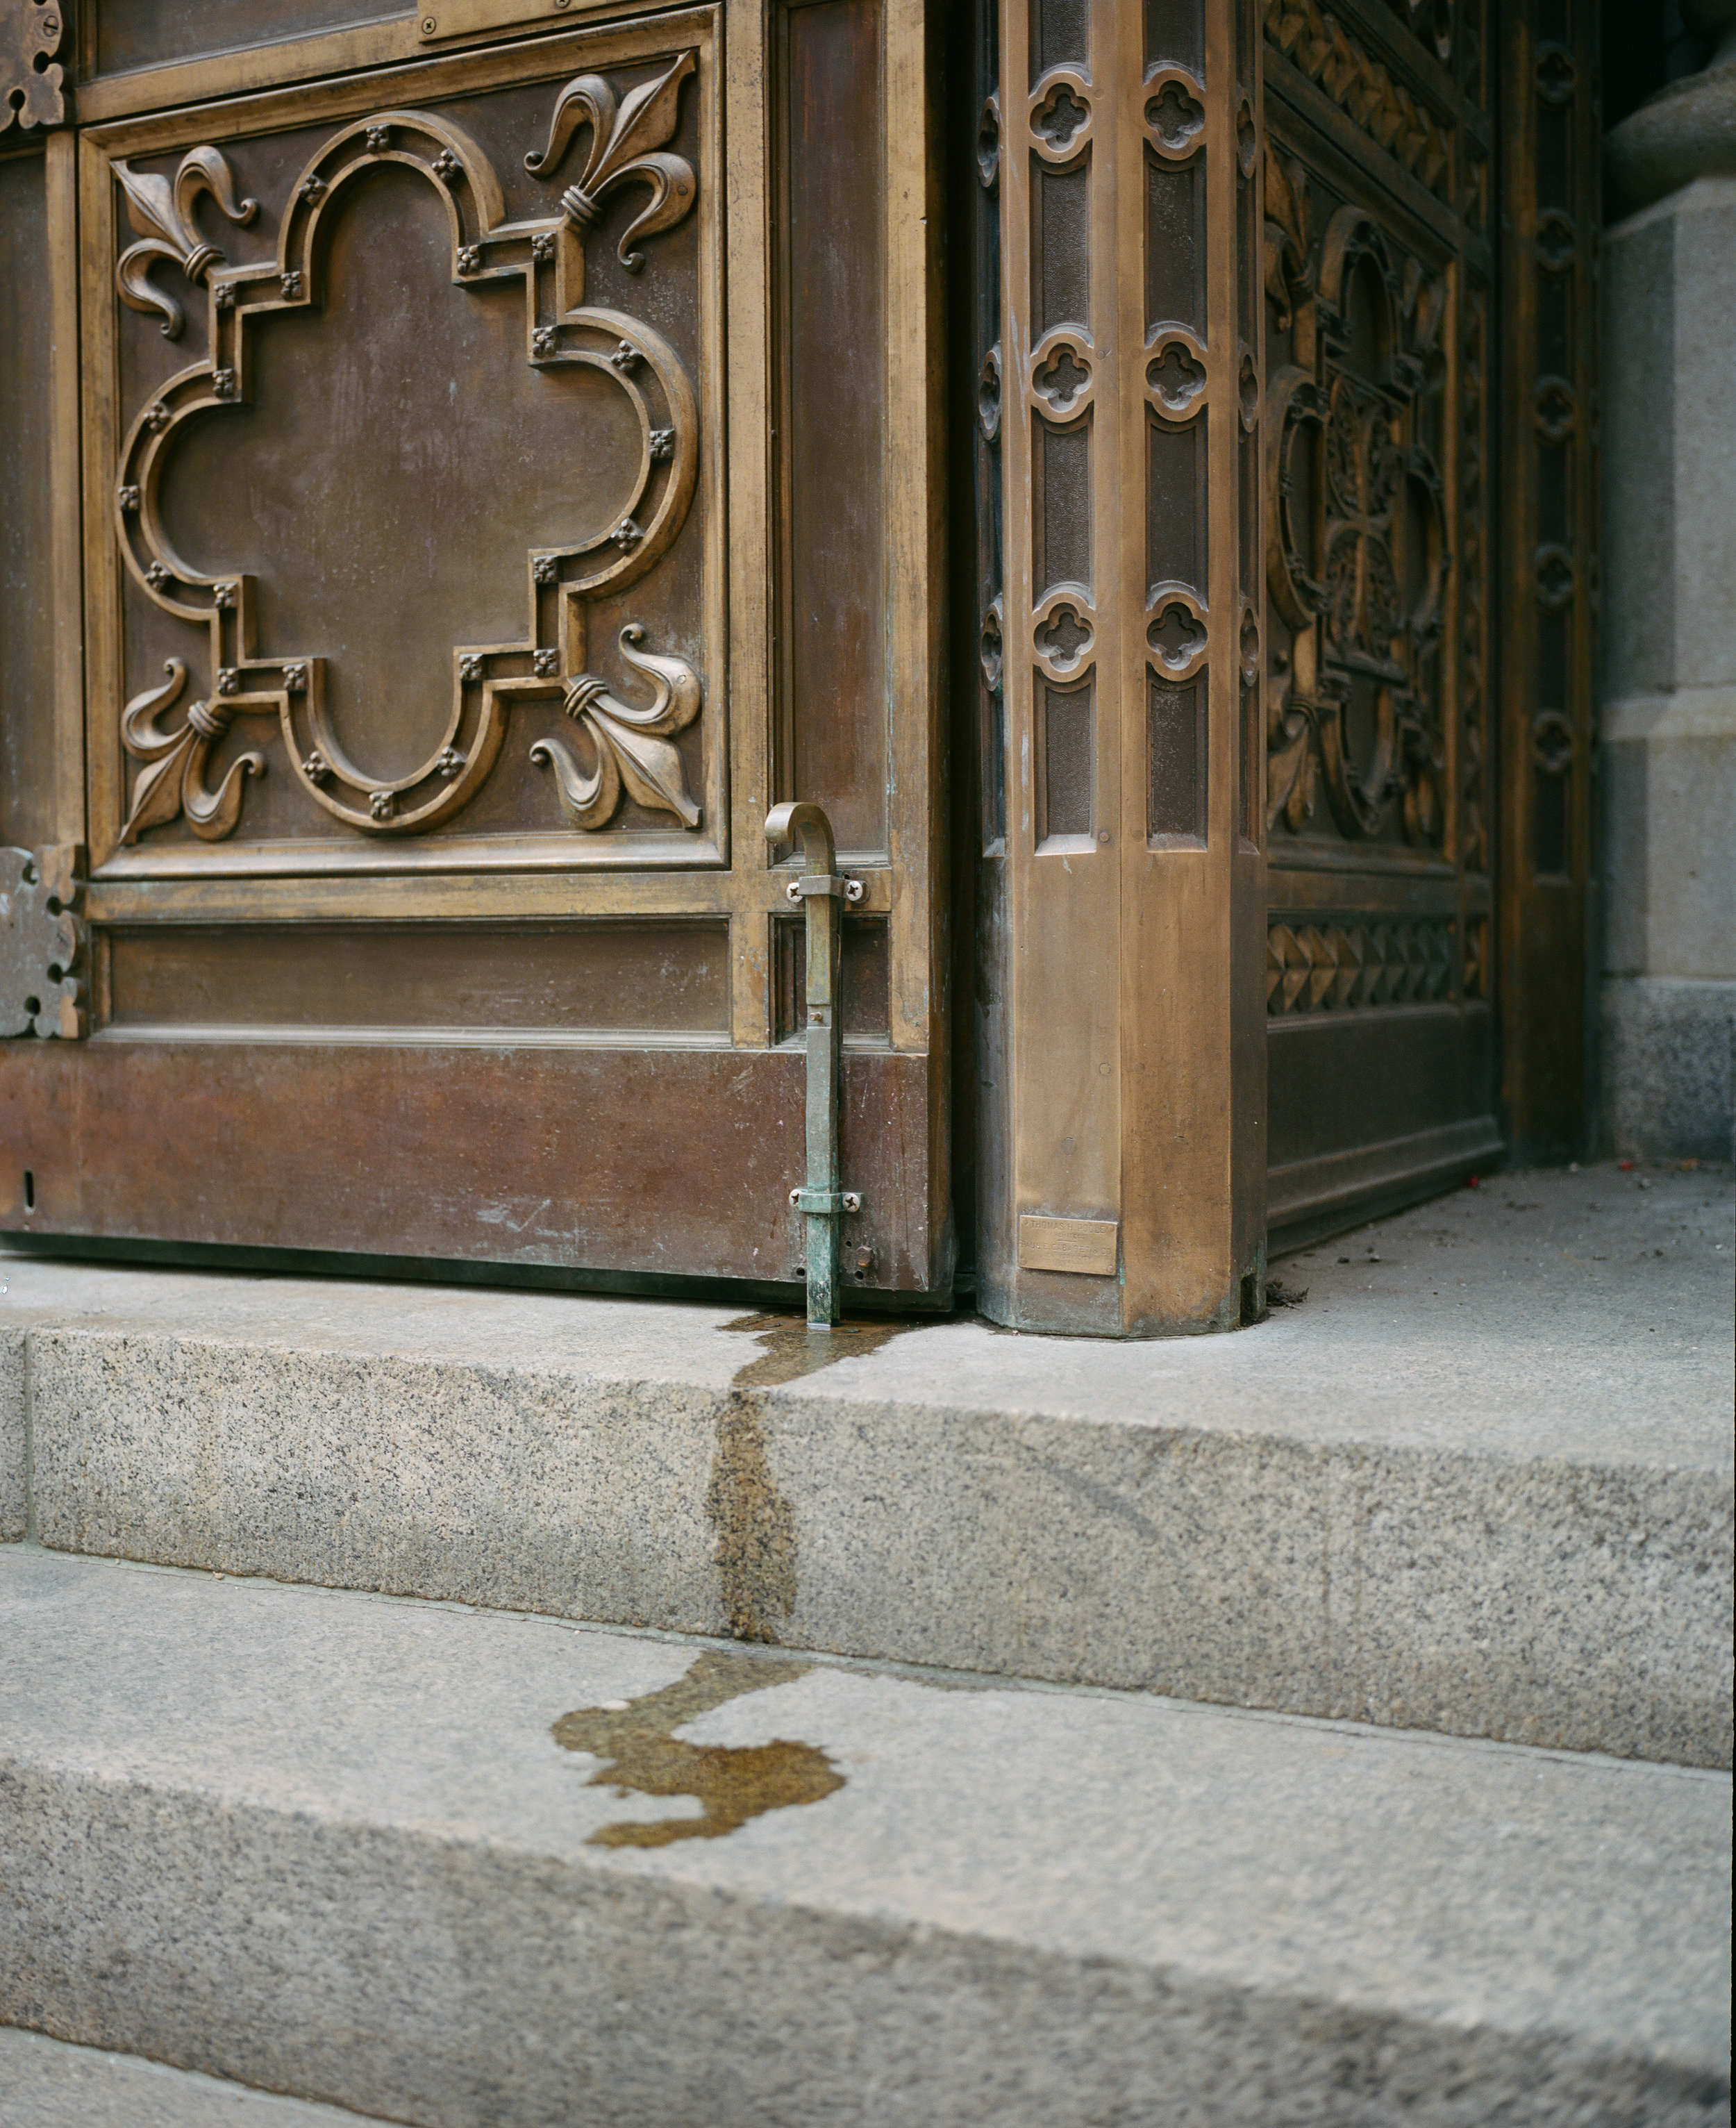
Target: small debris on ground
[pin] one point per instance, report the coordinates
(1281, 1295)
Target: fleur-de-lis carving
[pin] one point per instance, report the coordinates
(624, 138)
(633, 747)
(161, 211)
(173, 781)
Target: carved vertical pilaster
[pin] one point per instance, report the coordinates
(1549, 129)
(1125, 910)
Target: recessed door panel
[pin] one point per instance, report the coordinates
(437, 548)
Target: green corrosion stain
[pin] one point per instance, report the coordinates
(733, 1782)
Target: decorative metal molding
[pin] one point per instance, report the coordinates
(43, 942)
(1332, 571)
(548, 257)
(30, 31)
(631, 746)
(1353, 963)
(1319, 45)
(622, 139)
(161, 211)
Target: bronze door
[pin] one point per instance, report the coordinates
(502, 478)
(1380, 794)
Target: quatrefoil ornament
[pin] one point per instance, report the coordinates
(188, 771)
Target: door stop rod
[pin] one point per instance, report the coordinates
(822, 1202)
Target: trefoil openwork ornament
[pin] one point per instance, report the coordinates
(188, 772)
(1358, 559)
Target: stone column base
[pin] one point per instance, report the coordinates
(1669, 1067)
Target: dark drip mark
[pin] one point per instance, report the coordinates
(733, 1782)
(754, 1524)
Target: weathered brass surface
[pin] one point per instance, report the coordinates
(1120, 621)
(1376, 270)
(428, 732)
(500, 454)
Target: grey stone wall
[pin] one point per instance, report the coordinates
(1668, 719)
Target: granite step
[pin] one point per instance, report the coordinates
(456, 1867)
(46, 2084)
(1479, 1481)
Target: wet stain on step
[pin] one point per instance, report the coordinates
(788, 1349)
(754, 1524)
(734, 1782)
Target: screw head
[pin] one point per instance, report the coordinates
(794, 1196)
(429, 26)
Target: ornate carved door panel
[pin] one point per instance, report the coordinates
(1380, 775)
(489, 512)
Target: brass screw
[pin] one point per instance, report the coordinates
(429, 26)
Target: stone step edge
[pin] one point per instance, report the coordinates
(1458, 1589)
(291, 1891)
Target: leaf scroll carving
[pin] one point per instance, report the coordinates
(625, 139)
(173, 780)
(161, 211)
(632, 746)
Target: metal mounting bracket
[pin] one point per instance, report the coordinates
(43, 943)
(822, 1202)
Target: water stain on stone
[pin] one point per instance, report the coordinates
(755, 1525)
(788, 1349)
(733, 1782)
